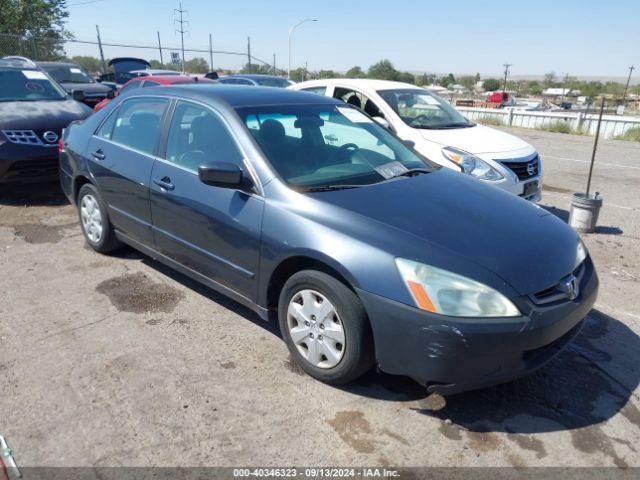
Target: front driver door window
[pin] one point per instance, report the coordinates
(212, 230)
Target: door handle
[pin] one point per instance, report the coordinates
(99, 155)
(164, 183)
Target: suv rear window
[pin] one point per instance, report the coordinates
(27, 85)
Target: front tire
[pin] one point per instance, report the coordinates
(325, 327)
(94, 220)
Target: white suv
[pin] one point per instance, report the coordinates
(440, 133)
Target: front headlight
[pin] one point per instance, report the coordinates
(581, 253)
(471, 165)
(446, 293)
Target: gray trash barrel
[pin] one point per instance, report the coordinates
(583, 216)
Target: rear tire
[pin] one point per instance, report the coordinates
(94, 220)
(325, 327)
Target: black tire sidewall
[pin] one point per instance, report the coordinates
(358, 354)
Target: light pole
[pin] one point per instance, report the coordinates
(291, 30)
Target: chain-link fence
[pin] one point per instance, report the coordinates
(200, 58)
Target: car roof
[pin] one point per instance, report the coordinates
(364, 83)
(240, 96)
(252, 76)
(53, 64)
(19, 63)
(156, 72)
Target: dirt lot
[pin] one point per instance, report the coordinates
(108, 361)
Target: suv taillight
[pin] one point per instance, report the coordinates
(60, 146)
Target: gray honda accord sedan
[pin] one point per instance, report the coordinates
(302, 208)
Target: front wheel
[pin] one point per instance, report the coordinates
(325, 327)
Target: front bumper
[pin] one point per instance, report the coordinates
(27, 163)
(451, 354)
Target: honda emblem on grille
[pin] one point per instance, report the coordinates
(531, 168)
(50, 136)
(570, 287)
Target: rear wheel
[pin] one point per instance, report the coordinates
(94, 221)
(325, 327)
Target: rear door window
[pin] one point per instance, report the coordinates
(137, 123)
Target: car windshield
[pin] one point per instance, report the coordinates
(421, 109)
(272, 82)
(27, 85)
(68, 74)
(328, 146)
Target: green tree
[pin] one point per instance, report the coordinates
(299, 74)
(425, 79)
(467, 81)
(491, 84)
(383, 70)
(328, 74)
(477, 79)
(355, 72)
(38, 26)
(90, 64)
(448, 80)
(406, 77)
(196, 65)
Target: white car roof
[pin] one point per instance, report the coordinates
(362, 83)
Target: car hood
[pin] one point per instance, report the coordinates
(478, 139)
(444, 217)
(86, 87)
(55, 114)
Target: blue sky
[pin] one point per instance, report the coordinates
(583, 38)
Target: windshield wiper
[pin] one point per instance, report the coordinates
(329, 188)
(412, 172)
(445, 126)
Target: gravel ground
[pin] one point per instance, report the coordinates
(116, 360)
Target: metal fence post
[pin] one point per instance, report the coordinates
(104, 66)
(211, 51)
(511, 117)
(249, 54)
(160, 48)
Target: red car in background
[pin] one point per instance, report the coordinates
(154, 81)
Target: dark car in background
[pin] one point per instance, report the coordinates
(122, 71)
(155, 81)
(255, 80)
(302, 206)
(73, 78)
(33, 111)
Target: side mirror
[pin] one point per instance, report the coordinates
(111, 94)
(221, 174)
(382, 122)
(78, 95)
(409, 143)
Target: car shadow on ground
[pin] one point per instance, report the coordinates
(203, 290)
(32, 195)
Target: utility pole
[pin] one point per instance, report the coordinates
(275, 72)
(211, 51)
(181, 30)
(565, 90)
(160, 48)
(249, 54)
(506, 73)
(624, 95)
(104, 66)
